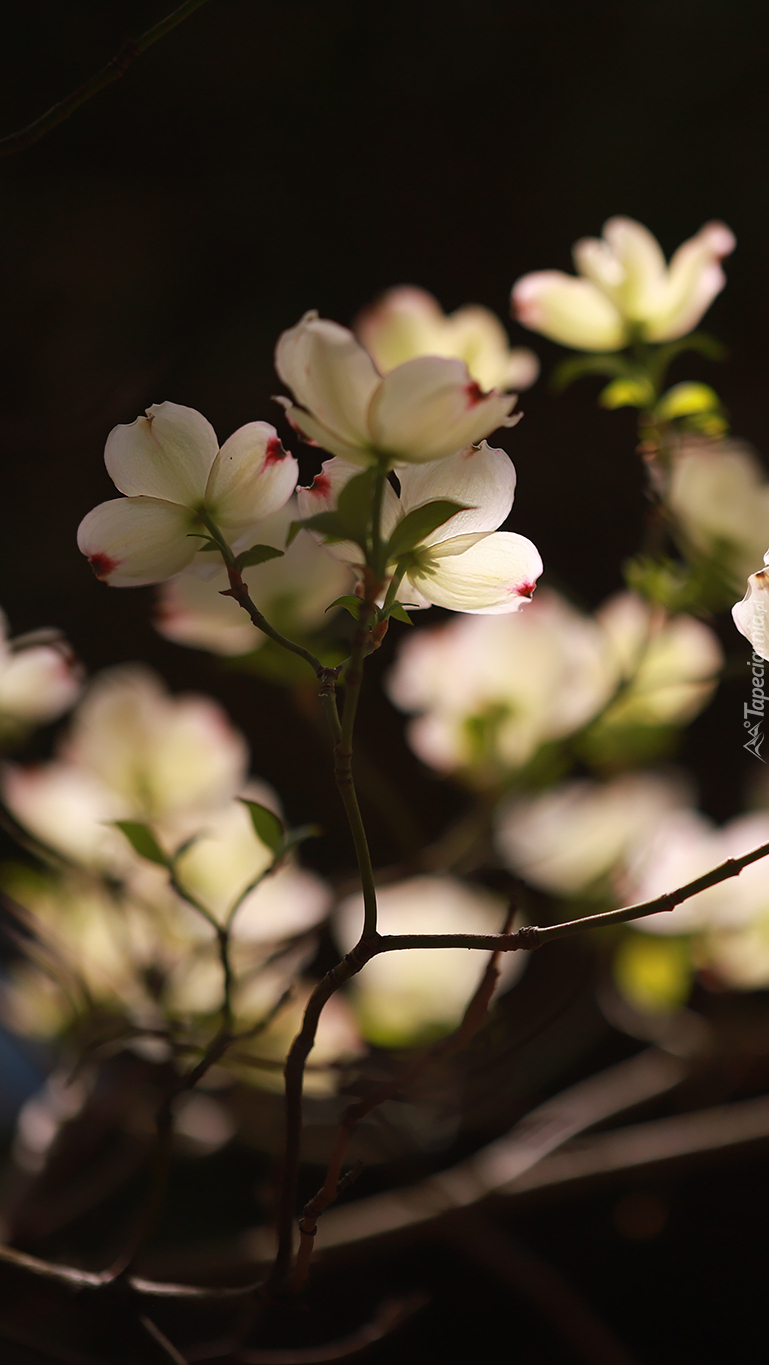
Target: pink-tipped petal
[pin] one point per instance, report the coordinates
(133, 541)
(430, 408)
(572, 311)
(493, 575)
(251, 477)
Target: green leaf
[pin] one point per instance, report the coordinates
(328, 524)
(627, 392)
(399, 612)
(354, 506)
(297, 836)
(420, 523)
(349, 602)
(575, 366)
(267, 825)
(142, 841)
(258, 554)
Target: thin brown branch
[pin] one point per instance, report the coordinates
(388, 1319)
(115, 68)
(164, 1349)
(531, 936)
(334, 1183)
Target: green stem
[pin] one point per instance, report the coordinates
(239, 592)
(117, 67)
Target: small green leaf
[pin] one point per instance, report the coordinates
(634, 391)
(142, 841)
(687, 400)
(354, 506)
(399, 612)
(297, 836)
(419, 524)
(328, 524)
(258, 554)
(349, 602)
(267, 825)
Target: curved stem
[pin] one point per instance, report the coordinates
(240, 593)
(117, 67)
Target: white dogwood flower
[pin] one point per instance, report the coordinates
(466, 564)
(751, 615)
(169, 466)
(624, 289)
(425, 409)
(407, 322)
(39, 678)
(133, 752)
(293, 592)
(719, 494)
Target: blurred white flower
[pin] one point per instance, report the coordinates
(422, 410)
(625, 290)
(751, 615)
(572, 838)
(407, 322)
(665, 667)
(169, 465)
(401, 998)
(684, 846)
(293, 593)
(498, 689)
(132, 752)
(466, 564)
(39, 678)
(718, 492)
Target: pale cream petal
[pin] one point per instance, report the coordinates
(481, 477)
(166, 757)
(251, 477)
(404, 323)
(430, 407)
(407, 322)
(574, 312)
(751, 615)
(38, 683)
(694, 278)
(330, 375)
(133, 541)
(316, 434)
(166, 454)
(494, 575)
(323, 495)
(643, 266)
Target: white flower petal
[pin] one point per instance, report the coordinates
(38, 683)
(751, 615)
(134, 541)
(481, 477)
(251, 477)
(694, 278)
(166, 454)
(408, 322)
(430, 407)
(644, 271)
(493, 575)
(330, 375)
(573, 311)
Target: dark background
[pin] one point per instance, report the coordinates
(269, 157)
